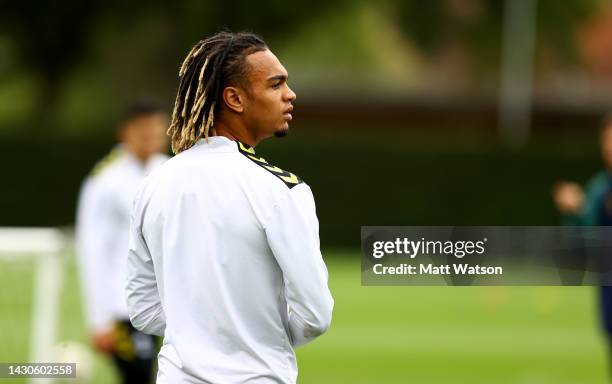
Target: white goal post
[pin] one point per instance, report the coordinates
(46, 247)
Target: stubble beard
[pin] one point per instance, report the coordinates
(281, 132)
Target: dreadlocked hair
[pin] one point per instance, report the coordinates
(210, 66)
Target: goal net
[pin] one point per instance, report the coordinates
(31, 276)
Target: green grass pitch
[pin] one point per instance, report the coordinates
(385, 335)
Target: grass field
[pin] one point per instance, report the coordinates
(384, 335)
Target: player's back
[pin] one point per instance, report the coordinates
(203, 220)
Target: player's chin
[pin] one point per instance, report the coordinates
(282, 132)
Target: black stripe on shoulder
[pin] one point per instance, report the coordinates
(290, 179)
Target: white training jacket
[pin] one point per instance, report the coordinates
(102, 233)
(224, 262)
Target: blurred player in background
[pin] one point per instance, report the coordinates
(592, 206)
(102, 232)
(224, 252)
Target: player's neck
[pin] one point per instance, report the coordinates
(140, 158)
(235, 132)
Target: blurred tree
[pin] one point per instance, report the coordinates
(94, 51)
(49, 38)
(559, 21)
(477, 25)
(52, 38)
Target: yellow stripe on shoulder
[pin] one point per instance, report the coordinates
(246, 148)
(107, 160)
(290, 179)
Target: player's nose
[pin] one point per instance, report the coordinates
(290, 94)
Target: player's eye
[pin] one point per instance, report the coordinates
(277, 85)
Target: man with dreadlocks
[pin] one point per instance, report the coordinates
(224, 259)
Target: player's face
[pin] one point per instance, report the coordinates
(268, 108)
(606, 146)
(145, 135)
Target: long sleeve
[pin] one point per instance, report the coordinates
(594, 193)
(94, 233)
(143, 301)
(292, 231)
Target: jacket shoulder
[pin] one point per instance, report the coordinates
(111, 159)
(289, 179)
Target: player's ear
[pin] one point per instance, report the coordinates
(234, 98)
